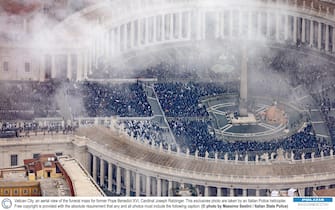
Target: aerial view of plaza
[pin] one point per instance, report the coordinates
(167, 98)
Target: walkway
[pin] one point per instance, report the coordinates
(158, 113)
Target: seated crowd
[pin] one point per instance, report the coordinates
(179, 100)
(196, 135)
(183, 99)
(124, 100)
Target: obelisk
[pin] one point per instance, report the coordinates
(244, 84)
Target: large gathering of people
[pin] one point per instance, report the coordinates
(180, 101)
(27, 100)
(145, 130)
(124, 100)
(196, 135)
(183, 99)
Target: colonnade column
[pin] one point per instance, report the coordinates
(69, 65)
(94, 170)
(240, 24)
(311, 33)
(169, 188)
(127, 180)
(217, 25)
(180, 27)
(118, 180)
(333, 40)
(203, 25)
(327, 39)
(146, 30)
(295, 29)
(125, 37)
(277, 26)
(111, 42)
(86, 65)
(319, 35)
(138, 184)
(222, 25)
(79, 67)
(259, 25)
(53, 66)
(250, 26)
(42, 68)
(198, 28)
(159, 187)
(100, 44)
(301, 191)
(163, 28)
(171, 26)
(164, 185)
(231, 24)
(89, 62)
(102, 172)
(218, 192)
(286, 27)
(148, 185)
(139, 33)
(231, 192)
(154, 39)
(245, 192)
(94, 52)
(189, 22)
(303, 32)
(206, 193)
(118, 40)
(268, 25)
(110, 176)
(257, 192)
(106, 45)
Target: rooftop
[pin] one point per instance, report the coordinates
(82, 182)
(121, 145)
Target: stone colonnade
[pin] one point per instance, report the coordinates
(195, 24)
(119, 179)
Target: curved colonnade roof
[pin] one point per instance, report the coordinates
(97, 15)
(138, 152)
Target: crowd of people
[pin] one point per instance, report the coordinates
(326, 100)
(197, 136)
(27, 100)
(124, 100)
(27, 128)
(183, 99)
(145, 130)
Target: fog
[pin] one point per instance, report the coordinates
(202, 60)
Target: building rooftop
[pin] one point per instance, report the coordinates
(139, 153)
(82, 182)
(54, 187)
(325, 192)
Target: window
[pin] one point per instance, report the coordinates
(16, 192)
(6, 192)
(36, 155)
(35, 191)
(27, 67)
(5, 66)
(25, 192)
(59, 153)
(13, 160)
